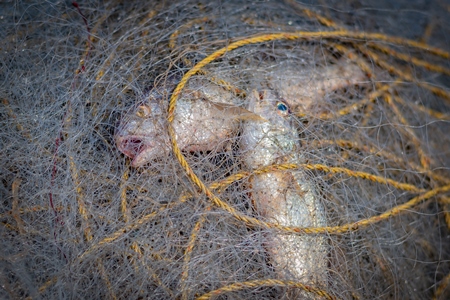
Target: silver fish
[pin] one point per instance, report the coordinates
(284, 197)
(205, 119)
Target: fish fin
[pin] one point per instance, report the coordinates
(238, 112)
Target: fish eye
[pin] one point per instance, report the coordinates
(282, 108)
(143, 111)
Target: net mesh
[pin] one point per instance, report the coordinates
(368, 89)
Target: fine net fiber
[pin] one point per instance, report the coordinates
(364, 86)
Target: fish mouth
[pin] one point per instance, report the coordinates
(138, 148)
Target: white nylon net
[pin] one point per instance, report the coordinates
(367, 102)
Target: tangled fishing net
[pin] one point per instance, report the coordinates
(79, 221)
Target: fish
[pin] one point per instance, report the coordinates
(206, 119)
(287, 198)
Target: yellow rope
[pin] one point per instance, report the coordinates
(183, 28)
(19, 126)
(132, 226)
(441, 287)
(105, 278)
(412, 59)
(123, 196)
(137, 250)
(15, 205)
(434, 113)
(363, 175)
(388, 214)
(188, 252)
(80, 200)
(407, 76)
(265, 282)
(347, 144)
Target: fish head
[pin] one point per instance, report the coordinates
(271, 107)
(273, 140)
(142, 132)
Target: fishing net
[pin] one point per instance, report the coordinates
(367, 85)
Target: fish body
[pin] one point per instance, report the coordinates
(205, 119)
(316, 83)
(286, 198)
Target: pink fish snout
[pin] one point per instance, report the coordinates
(140, 149)
(140, 136)
(131, 146)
